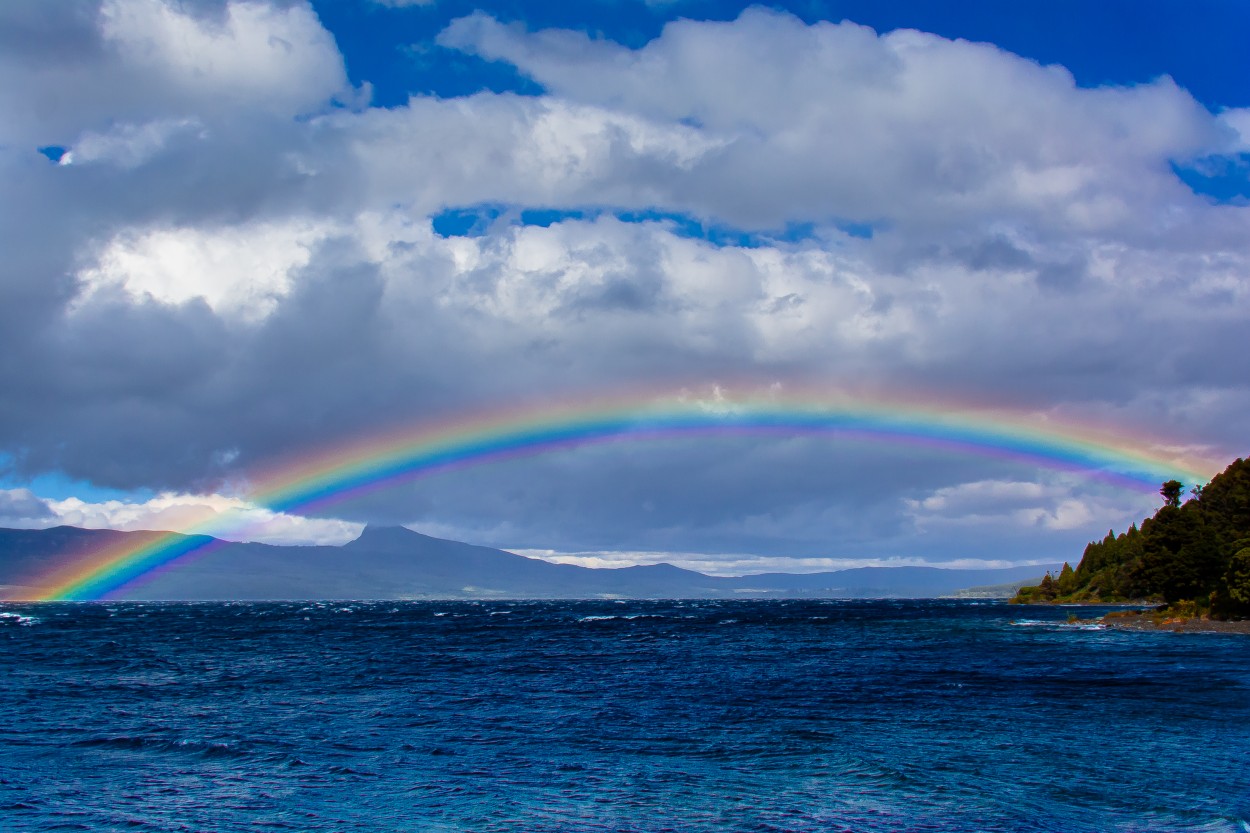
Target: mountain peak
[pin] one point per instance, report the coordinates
(378, 534)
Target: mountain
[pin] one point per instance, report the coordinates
(397, 563)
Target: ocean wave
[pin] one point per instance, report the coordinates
(208, 749)
(1059, 625)
(622, 617)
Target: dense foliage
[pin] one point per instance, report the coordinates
(1199, 550)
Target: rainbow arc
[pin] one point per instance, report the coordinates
(333, 475)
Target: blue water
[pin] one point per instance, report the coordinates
(603, 716)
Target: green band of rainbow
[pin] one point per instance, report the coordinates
(319, 480)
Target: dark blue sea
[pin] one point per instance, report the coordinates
(609, 716)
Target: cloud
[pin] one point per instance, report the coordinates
(22, 508)
(832, 120)
(227, 517)
(255, 52)
(86, 65)
(233, 269)
(127, 145)
(238, 271)
(1053, 505)
(736, 564)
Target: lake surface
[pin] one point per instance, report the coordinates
(606, 716)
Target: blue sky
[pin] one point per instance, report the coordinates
(238, 231)
(1200, 44)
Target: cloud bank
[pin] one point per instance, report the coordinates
(224, 255)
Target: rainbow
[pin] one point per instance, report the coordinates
(317, 480)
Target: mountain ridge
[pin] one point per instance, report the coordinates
(400, 563)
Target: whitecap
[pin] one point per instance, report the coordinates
(1077, 626)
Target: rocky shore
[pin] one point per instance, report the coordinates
(1134, 620)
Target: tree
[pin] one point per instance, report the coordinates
(1232, 600)
(1225, 502)
(1238, 578)
(1171, 491)
(1067, 580)
(1047, 588)
(1180, 556)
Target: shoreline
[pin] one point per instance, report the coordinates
(1147, 617)
(1147, 622)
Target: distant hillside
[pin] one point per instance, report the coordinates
(1196, 552)
(397, 563)
(992, 591)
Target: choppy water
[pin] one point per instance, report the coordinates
(602, 716)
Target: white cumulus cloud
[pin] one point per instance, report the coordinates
(94, 64)
(1054, 505)
(239, 271)
(231, 518)
(831, 121)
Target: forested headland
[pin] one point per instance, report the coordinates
(1193, 556)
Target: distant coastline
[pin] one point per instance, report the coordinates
(395, 563)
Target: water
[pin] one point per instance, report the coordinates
(603, 716)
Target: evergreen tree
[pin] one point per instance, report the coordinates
(1232, 599)
(1180, 557)
(1067, 580)
(1047, 587)
(1237, 579)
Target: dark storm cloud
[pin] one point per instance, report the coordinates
(51, 34)
(149, 394)
(995, 253)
